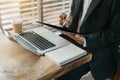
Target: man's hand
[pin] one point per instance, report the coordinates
(67, 22)
(63, 20)
(77, 38)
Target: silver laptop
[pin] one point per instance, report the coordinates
(40, 40)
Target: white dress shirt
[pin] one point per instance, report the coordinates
(85, 9)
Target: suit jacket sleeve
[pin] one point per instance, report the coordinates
(111, 35)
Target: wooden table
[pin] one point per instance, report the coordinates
(17, 63)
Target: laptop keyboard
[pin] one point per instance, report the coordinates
(37, 40)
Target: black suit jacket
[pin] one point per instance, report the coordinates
(101, 27)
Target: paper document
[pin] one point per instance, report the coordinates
(65, 54)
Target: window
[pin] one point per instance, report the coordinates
(52, 8)
(10, 9)
(31, 11)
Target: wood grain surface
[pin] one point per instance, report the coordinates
(17, 63)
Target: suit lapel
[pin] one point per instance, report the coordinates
(77, 7)
(92, 6)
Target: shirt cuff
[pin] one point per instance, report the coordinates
(84, 40)
(84, 45)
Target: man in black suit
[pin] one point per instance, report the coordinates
(99, 21)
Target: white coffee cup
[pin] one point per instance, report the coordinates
(17, 25)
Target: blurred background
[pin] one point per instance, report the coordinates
(31, 10)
